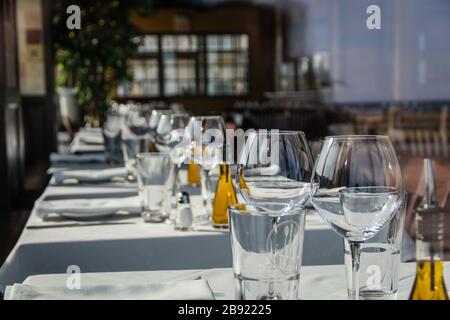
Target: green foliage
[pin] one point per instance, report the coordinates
(94, 58)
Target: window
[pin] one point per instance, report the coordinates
(287, 76)
(189, 65)
(148, 44)
(180, 55)
(145, 70)
(227, 64)
(145, 79)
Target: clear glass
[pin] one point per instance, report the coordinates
(207, 136)
(170, 139)
(170, 130)
(132, 145)
(267, 247)
(154, 119)
(357, 188)
(112, 139)
(152, 172)
(380, 261)
(113, 150)
(275, 166)
(137, 120)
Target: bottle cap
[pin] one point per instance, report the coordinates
(183, 197)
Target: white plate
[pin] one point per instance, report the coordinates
(83, 216)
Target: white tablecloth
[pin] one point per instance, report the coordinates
(316, 282)
(136, 246)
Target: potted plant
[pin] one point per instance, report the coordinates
(92, 61)
(67, 92)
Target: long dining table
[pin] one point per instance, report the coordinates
(127, 243)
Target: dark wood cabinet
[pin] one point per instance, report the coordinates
(11, 127)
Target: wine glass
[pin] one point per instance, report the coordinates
(168, 130)
(170, 138)
(154, 119)
(135, 136)
(357, 188)
(138, 118)
(112, 135)
(275, 166)
(207, 135)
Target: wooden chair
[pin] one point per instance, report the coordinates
(419, 133)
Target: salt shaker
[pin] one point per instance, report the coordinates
(184, 217)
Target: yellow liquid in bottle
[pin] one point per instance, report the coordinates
(429, 283)
(224, 197)
(242, 183)
(193, 173)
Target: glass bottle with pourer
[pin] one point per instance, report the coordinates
(225, 194)
(429, 283)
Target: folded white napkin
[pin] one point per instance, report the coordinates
(177, 290)
(86, 148)
(77, 191)
(90, 130)
(91, 139)
(89, 175)
(85, 208)
(77, 158)
(87, 141)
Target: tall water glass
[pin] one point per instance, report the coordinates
(379, 262)
(267, 247)
(152, 172)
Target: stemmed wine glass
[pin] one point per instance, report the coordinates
(275, 166)
(357, 188)
(154, 119)
(135, 136)
(137, 119)
(168, 130)
(207, 134)
(170, 138)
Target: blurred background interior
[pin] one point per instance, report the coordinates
(309, 65)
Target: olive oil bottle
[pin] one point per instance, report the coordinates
(224, 197)
(429, 283)
(242, 185)
(193, 172)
